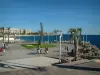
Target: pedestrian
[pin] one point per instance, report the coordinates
(46, 50)
(38, 50)
(67, 48)
(4, 45)
(1, 51)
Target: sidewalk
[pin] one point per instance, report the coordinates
(30, 63)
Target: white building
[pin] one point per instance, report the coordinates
(28, 31)
(16, 31)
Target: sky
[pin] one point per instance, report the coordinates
(54, 14)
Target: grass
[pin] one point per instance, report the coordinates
(30, 46)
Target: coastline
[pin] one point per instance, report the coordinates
(24, 35)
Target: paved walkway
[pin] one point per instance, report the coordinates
(17, 55)
(17, 52)
(52, 70)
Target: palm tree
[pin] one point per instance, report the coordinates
(75, 33)
(41, 33)
(71, 31)
(8, 33)
(76, 42)
(80, 35)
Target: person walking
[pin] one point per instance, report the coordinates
(38, 50)
(1, 51)
(66, 50)
(46, 50)
(3, 48)
(41, 51)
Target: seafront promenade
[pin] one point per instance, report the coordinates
(21, 61)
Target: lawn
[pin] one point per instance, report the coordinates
(30, 46)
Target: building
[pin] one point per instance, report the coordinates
(16, 31)
(28, 31)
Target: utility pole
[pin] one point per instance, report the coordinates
(60, 48)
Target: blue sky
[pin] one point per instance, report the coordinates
(54, 14)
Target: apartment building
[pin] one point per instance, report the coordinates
(16, 31)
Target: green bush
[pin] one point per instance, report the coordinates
(30, 46)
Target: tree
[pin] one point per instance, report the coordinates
(8, 33)
(76, 37)
(71, 31)
(41, 33)
(80, 35)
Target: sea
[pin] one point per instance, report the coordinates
(93, 39)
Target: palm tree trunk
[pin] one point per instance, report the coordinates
(76, 48)
(3, 34)
(71, 37)
(80, 38)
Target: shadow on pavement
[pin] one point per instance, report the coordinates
(32, 68)
(78, 67)
(40, 69)
(32, 53)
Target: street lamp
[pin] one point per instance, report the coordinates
(60, 48)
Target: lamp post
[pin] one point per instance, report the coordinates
(60, 48)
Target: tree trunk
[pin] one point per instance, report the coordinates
(76, 48)
(3, 35)
(80, 38)
(71, 37)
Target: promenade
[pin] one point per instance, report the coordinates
(20, 61)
